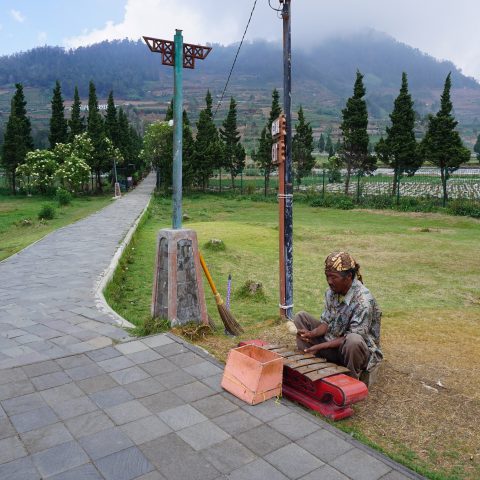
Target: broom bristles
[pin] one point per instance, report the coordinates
(231, 325)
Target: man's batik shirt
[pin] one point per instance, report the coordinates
(356, 312)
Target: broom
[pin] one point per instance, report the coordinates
(231, 325)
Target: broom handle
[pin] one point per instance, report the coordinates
(207, 274)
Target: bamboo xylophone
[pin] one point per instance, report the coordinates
(316, 383)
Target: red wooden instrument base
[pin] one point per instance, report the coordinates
(331, 396)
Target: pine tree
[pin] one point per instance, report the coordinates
(233, 151)
(476, 148)
(96, 132)
(58, 124)
(76, 122)
(302, 148)
(399, 149)
(188, 151)
(442, 144)
(354, 148)
(111, 121)
(169, 112)
(18, 138)
(329, 146)
(321, 143)
(208, 148)
(263, 156)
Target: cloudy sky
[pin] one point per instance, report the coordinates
(442, 28)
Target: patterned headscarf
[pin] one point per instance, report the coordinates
(342, 262)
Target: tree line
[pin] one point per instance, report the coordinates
(79, 145)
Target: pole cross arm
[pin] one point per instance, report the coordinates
(167, 49)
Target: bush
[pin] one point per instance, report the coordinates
(463, 207)
(378, 201)
(47, 212)
(343, 202)
(64, 197)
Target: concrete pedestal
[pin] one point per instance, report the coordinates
(177, 287)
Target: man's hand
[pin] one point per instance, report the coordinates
(305, 335)
(314, 348)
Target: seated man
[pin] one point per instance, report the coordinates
(348, 332)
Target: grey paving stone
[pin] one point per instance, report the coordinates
(111, 397)
(193, 391)
(325, 445)
(394, 475)
(359, 465)
(16, 389)
(144, 388)
(257, 470)
(182, 417)
(68, 391)
(84, 472)
(175, 379)
(161, 401)
(144, 356)
(262, 440)
(105, 443)
(325, 473)
(125, 465)
(294, 426)
(293, 461)
(159, 367)
(214, 382)
(131, 347)
(84, 371)
(12, 375)
(203, 370)
(23, 403)
(127, 412)
(116, 363)
(74, 361)
(236, 422)
(50, 380)
(157, 340)
(6, 428)
(21, 469)
(186, 359)
(214, 406)
(74, 407)
(59, 459)
(41, 368)
(46, 437)
(146, 429)
(129, 375)
(267, 411)
(173, 348)
(155, 475)
(96, 384)
(176, 460)
(33, 419)
(103, 354)
(10, 449)
(228, 455)
(88, 424)
(203, 435)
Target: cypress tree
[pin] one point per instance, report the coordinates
(169, 112)
(476, 148)
(442, 144)
(76, 122)
(58, 124)
(188, 152)
(111, 121)
(354, 148)
(302, 148)
(18, 138)
(329, 146)
(207, 144)
(321, 143)
(399, 149)
(233, 151)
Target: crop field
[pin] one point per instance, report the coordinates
(422, 268)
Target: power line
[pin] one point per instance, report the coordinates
(235, 59)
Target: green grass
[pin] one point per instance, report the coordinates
(20, 226)
(423, 270)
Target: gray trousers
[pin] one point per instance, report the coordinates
(353, 353)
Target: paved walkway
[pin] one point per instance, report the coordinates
(73, 406)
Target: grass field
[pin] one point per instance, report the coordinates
(19, 225)
(423, 270)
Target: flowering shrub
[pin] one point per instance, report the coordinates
(39, 169)
(73, 173)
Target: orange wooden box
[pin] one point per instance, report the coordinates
(253, 374)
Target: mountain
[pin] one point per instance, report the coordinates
(322, 79)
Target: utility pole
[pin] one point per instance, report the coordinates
(288, 196)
